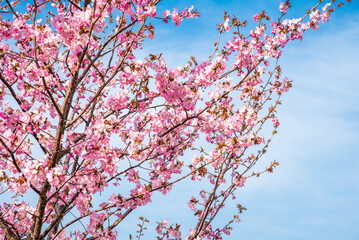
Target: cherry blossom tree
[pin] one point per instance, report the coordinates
(81, 115)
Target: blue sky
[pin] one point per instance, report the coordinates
(314, 194)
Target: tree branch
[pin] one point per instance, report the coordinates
(9, 230)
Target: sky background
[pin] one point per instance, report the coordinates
(314, 193)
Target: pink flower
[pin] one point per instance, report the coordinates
(226, 25)
(283, 7)
(256, 17)
(275, 122)
(165, 15)
(192, 203)
(325, 8)
(150, 11)
(161, 225)
(176, 18)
